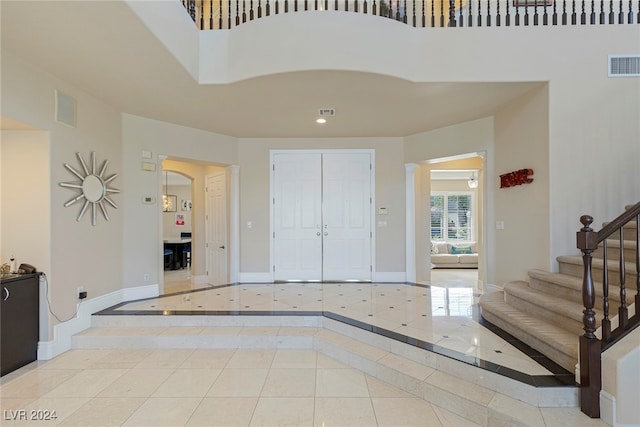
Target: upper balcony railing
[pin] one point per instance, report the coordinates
(227, 14)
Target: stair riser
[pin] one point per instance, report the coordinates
(552, 317)
(629, 234)
(574, 295)
(614, 254)
(614, 275)
(565, 360)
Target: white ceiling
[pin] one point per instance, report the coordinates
(103, 48)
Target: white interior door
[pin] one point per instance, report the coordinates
(322, 216)
(297, 217)
(216, 229)
(346, 203)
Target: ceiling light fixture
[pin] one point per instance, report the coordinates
(473, 181)
(167, 202)
(321, 121)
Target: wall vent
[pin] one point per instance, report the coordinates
(65, 109)
(624, 65)
(324, 112)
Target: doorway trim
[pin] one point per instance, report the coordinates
(413, 174)
(273, 153)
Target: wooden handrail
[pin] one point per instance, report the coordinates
(590, 346)
(627, 216)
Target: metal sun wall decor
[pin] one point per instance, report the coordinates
(518, 177)
(92, 186)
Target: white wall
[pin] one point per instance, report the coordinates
(80, 254)
(26, 200)
(194, 150)
(521, 141)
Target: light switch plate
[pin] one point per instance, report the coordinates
(148, 166)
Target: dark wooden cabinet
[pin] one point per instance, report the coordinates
(19, 321)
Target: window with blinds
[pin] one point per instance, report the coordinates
(451, 216)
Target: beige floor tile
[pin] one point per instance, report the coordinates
(569, 417)
(76, 359)
(292, 359)
(333, 411)
(87, 383)
(188, 383)
(326, 362)
(379, 388)
(136, 383)
(449, 419)
(403, 411)
(290, 383)
(223, 412)
(13, 403)
(238, 383)
(341, 382)
(104, 412)
(165, 358)
(164, 411)
(208, 359)
(36, 383)
(283, 411)
(252, 359)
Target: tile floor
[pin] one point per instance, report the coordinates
(211, 388)
(242, 387)
(237, 387)
(440, 314)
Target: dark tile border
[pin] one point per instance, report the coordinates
(560, 378)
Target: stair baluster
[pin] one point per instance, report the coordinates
(590, 363)
(623, 313)
(606, 322)
(637, 299)
(590, 346)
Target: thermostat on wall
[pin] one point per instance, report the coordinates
(148, 200)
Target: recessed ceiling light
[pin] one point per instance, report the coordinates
(321, 121)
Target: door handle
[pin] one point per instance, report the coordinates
(221, 247)
(7, 291)
(318, 233)
(326, 234)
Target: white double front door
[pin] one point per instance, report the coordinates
(322, 205)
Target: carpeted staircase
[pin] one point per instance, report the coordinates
(546, 311)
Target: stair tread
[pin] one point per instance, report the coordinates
(560, 338)
(570, 309)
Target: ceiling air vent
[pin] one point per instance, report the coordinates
(327, 112)
(624, 65)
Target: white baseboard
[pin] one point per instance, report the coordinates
(200, 280)
(256, 277)
(62, 332)
(390, 277)
(607, 408)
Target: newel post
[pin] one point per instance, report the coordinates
(590, 364)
